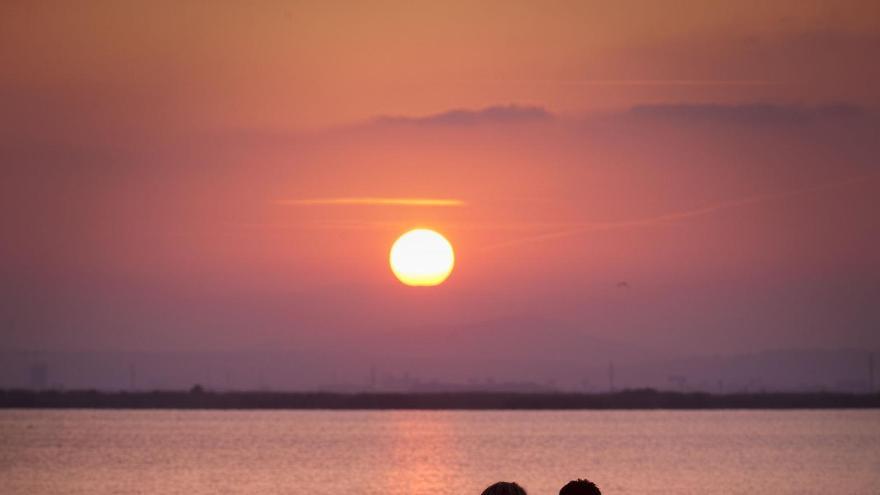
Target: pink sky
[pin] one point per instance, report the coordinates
(160, 163)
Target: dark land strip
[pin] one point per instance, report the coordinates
(197, 398)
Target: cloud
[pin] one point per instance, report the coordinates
(372, 201)
(755, 113)
(493, 114)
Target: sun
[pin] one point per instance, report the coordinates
(421, 257)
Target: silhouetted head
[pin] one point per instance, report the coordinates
(580, 487)
(504, 488)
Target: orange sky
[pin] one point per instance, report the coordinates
(180, 176)
(289, 65)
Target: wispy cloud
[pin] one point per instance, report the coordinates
(372, 201)
(581, 228)
(646, 82)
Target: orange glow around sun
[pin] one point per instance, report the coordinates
(422, 257)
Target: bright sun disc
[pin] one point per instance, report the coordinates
(421, 257)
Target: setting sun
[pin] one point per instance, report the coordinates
(421, 257)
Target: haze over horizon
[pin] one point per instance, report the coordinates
(229, 179)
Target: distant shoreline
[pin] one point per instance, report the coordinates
(623, 400)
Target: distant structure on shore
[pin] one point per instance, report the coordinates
(850, 371)
(39, 374)
(611, 376)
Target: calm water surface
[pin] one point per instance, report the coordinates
(438, 452)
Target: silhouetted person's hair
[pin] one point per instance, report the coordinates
(580, 487)
(504, 488)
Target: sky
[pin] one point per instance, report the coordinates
(686, 179)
